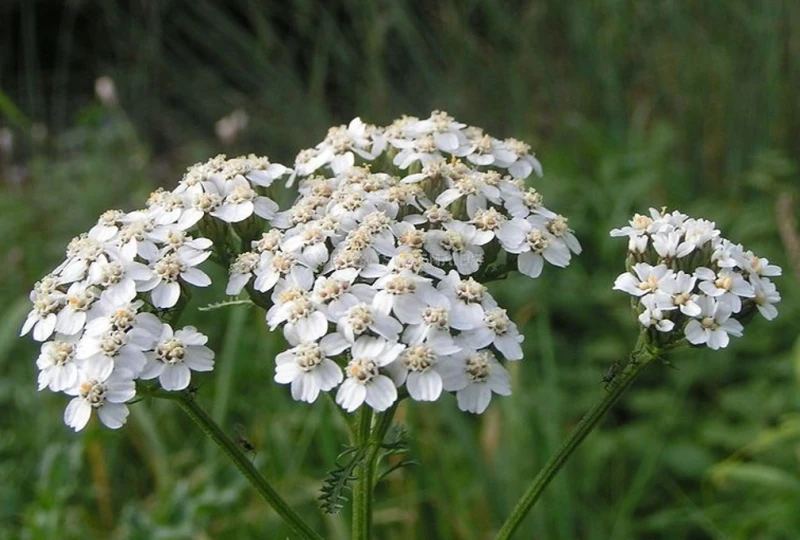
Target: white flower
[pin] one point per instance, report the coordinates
(107, 397)
(164, 286)
(637, 232)
(302, 212)
(761, 267)
(698, 232)
(447, 134)
(108, 315)
(309, 241)
(337, 295)
(117, 347)
(670, 245)
(474, 376)
(364, 382)
(241, 271)
(726, 286)
(201, 199)
(289, 266)
(558, 226)
(136, 236)
(378, 226)
(422, 149)
(418, 367)
(460, 243)
(666, 222)
(478, 188)
(488, 221)
(645, 279)
(342, 142)
(241, 201)
(47, 302)
(653, 314)
(534, 246)
(82, 252)
(435, 325)
(485, 150)
(118, 278)
(304, 321)
(80, 297)
(520, 203)
(165, 207)
(523, 163)
(766, 294)
(308, 368)
(259, 170)
(713, 325)
(106, 227)
(176, 355)
(406, 295)
(349, 207)
(363, 317)
(396, 197)
(175, 239)
(56, 363)
(347, 258)
(498, 330)
(269, 241)
(307, 162)
(468, 301)
(680, 287)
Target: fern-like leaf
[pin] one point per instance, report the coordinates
(336, 485)
(226, 303)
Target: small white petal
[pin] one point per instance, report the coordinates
(113, 415)
(424, 386)
(175, 377)
(351, 395)
(196, 277)
(381, 393)
(166, 295)
(77, 414)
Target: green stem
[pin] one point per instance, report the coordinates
(640, 358)
(362, 490)
(370, 438)
(238, 457)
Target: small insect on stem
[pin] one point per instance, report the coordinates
(611, 374)
(242, 439)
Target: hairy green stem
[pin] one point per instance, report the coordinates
(370, 438)
(640, 358)
(362, 490)
(240, 459)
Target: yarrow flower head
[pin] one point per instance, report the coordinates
(376, 274)
(691, 285)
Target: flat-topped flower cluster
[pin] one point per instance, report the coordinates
(375, 274)
(691, 282)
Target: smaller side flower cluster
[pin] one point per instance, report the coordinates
(96, 312)
(689, 282)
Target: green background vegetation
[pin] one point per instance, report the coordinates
(692, 105)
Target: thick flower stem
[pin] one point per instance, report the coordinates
(370, 438)
(640, 358)
(362, 490)
(240, 459)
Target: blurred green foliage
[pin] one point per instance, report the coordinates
(629, 104)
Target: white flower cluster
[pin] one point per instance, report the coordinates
(374, 273)
(687, 278)
(96, 312)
